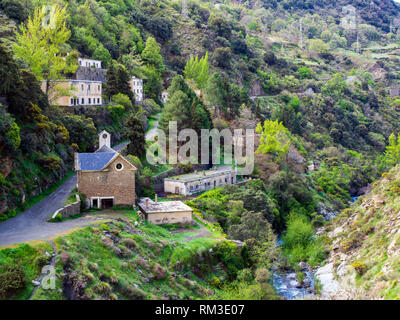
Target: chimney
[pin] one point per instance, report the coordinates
(156, 198)
(147, 203)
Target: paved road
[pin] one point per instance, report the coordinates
(32, 224)
(152, 132)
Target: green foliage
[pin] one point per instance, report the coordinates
(304, 72)
(123, 100)
(274, 138)
(82, 131)
(300, 244)
(18, 267)
(227, 253)
(117, 113)
(184, 107)
(225, 97)
(118, 81)
(136, 136)
(151, 55)
(13, 136)
(40, 45)
(335, 86)
(222, 57)
(197, 70)
(359, 266)
(392, 153)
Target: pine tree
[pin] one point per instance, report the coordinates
(118, 81)
(136, 135)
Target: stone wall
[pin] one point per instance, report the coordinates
(70, 209)
(93, 74)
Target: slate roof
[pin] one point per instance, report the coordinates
(106, 149)
(95, 161)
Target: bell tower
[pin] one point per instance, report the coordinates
(104, 139)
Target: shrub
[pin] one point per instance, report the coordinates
(12, 279)
(245, 275)
(360, 267)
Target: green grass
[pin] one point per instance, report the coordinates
(24, 264)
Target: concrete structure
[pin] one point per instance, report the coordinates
(137, 88)
(81, 92)
(166, 212)
(188, 184)
(90, 63)
(105, 177)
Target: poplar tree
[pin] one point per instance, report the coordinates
(40, 44)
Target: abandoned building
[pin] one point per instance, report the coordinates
(105, 177)
(188, 184)
(85, 86)
(166, 212)
(89, 63)
(82, 92)
(137, 88)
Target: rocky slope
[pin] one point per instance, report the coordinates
(364, 243)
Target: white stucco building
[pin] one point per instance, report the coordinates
(188, 184)
(137, 88)
(90, 63)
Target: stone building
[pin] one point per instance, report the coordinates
(166, 212)
(82, 93)
(85, 85)
(105, 177)
(137, 88)
(188, 184)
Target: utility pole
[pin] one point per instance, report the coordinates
(358, 34)
(301, 33)
(184, 9)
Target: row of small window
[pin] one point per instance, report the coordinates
(77, 101)
(208, 184)
(137, 83)
(97, 65)
(139, 90)
(88, 87)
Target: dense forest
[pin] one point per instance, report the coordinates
(317, 80)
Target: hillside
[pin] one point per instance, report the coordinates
(119, 259)
(364, 244)
(318, 82)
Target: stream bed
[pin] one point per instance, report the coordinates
(288, 287)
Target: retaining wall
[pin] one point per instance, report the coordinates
(70, 209)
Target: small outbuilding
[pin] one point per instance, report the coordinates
(165, 212)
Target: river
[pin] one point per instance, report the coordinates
(287, 286)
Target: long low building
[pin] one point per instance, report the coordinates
(191, 183)
(165, 212)
(81, 92)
